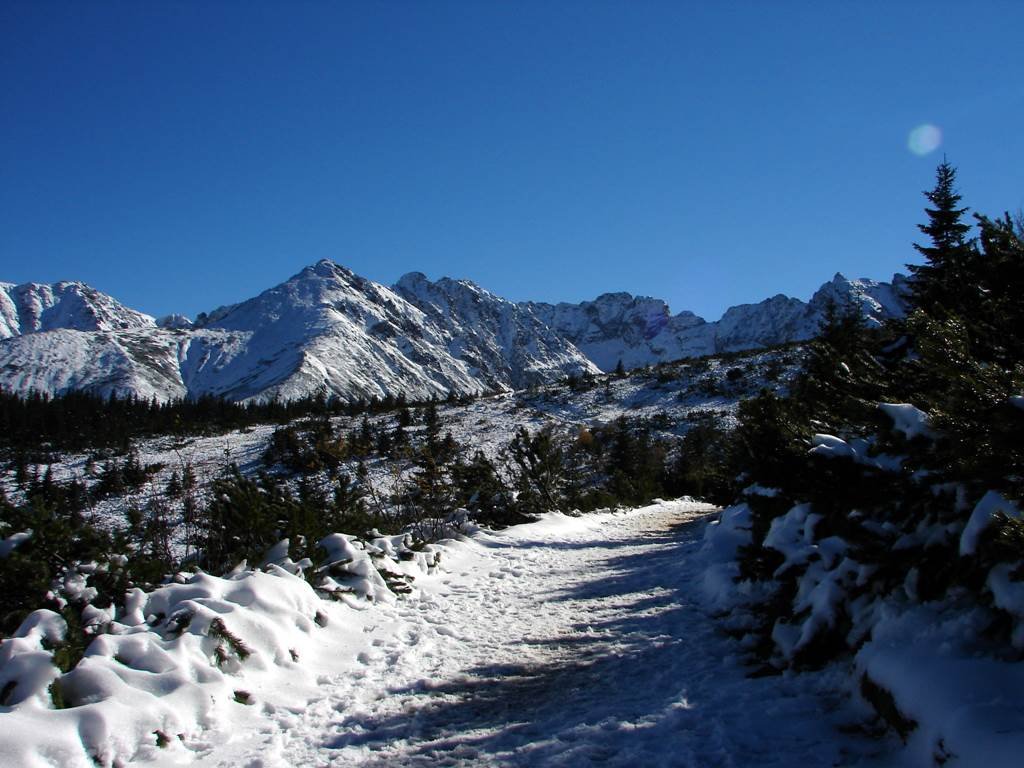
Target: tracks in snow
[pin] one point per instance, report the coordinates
(569, 642)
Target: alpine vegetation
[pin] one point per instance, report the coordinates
(880, 519)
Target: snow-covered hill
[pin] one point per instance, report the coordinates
(324, 331)
(638, 330)
(329, 331)
(35, 307)
(503, 342)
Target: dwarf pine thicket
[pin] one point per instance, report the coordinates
(894, 467)
(241, 516)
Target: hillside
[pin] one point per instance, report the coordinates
(329, 332)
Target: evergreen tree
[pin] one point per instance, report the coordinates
(479, 489)
(347, 511)
(242, 520)
(428, 496)
(634, 465)
(703, 466)
(945, 279)
(907, 480)
(539, 465)
(843, 375)
(997, 326)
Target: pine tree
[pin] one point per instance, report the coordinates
(998, 325)
(242, 519)
(479, 489)
(348, 509)
(843, 377)
(944, 280)
(702, 466)
(539, 467)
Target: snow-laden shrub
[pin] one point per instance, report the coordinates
(922, 592)
(165, 662)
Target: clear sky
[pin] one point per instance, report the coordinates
(185, 155)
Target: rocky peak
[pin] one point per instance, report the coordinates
(68, 305)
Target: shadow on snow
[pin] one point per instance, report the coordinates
(623, 688)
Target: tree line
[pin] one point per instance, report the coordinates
(81, 420)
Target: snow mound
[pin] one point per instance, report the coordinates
(907, 419)
(966, 706)
(167, 665)
(991, 504)
(170, 663)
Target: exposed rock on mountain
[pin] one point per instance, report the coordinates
(501, 341)
(329, 331)
(640, 330)
(324, 331)
(35, 307)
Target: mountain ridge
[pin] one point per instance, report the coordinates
(328, 331)
(640, 330)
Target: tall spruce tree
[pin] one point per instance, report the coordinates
(941, 283)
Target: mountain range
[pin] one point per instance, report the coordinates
(329, 331)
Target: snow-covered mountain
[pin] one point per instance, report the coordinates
(329, 331)
(501, 341)
(325, 330)
(35, 307)
(640, 330)
(634, 329)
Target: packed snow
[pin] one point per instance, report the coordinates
(569, 641)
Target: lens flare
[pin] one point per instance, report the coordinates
(924, 139)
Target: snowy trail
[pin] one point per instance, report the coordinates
(571, 641)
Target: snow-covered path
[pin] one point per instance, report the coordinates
(571, 641)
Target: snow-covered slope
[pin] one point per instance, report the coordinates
(473, 668)
(501, 341)
(35, 307)
(328, 331)
(636, 330)
(140, 363)
(325, 330)
(876, 300)
(640, 330)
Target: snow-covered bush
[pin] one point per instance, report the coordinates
(134, 674)
(883, 513)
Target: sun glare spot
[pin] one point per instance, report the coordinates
(924, 139)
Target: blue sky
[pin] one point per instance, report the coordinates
(184, 155)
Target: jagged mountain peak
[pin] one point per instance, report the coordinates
(324, 330)
(412, 280)
(175, 322)
(67, 305)
(637, 330)
(418, 284)
(493, 335)
(327, 269)
(327, 330)
(874, 299)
